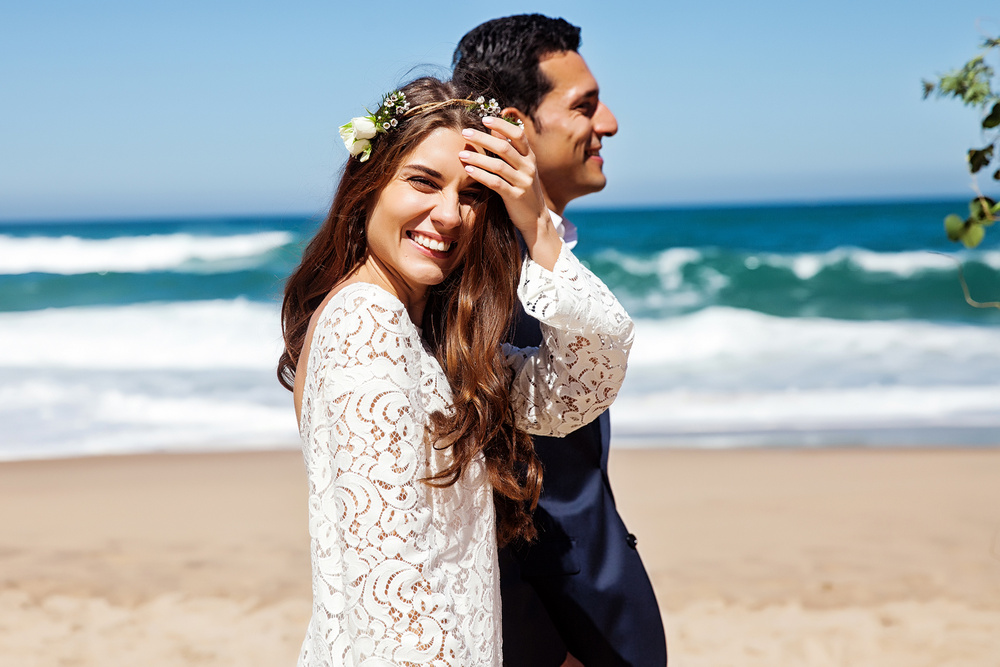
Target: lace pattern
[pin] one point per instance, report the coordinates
(405, 573)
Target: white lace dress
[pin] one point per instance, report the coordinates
(405, 573)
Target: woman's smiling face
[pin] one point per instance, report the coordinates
(418, 229)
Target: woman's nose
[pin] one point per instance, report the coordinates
(448, 211)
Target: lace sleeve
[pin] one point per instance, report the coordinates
(575, 374)
(363, 432)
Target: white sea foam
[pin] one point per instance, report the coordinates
(54, 416)
(893, 415)
(195, 335)
(200, 375)
(731, 347)
(69, 255)
(669, 265)
(673, 291)
(144, 377)
(728, 373)
(901, 264)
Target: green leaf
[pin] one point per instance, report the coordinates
(979, 158)
(971, 83)
(954, 227)
(981, 208)
(973, 236)
(928, 87)
(993, 119)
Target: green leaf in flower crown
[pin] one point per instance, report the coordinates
(954, 227)
(993, 119)
(979, 158)
(973, 236)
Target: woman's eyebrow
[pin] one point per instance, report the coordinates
(433, 173)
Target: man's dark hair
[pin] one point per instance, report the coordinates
(500, 58)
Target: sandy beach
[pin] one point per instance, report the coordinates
(886, 557)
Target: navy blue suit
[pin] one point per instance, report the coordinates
(581, 586)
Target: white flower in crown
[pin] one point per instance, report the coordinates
(358, 133)
(364, 127)
(492, 109)
(361, 147)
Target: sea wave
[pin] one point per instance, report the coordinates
(140, 378)
(175, 376)
(874, 415)
(710, 348)
(903, 264)
(670, 264)
(726, 376)
(72, 255)
(846, 282)
(194, 335)
(738, 350)
(58, 415)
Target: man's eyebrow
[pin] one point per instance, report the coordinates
(591, 93)
(433, 173)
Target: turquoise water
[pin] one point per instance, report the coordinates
(798, 325)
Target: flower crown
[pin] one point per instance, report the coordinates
(359, 132)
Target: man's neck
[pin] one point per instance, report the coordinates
(553, 206)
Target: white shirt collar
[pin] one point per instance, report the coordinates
(565, 229)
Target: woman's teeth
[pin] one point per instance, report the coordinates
(431, 244)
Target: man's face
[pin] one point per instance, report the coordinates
(567, 131)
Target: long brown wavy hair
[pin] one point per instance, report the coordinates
(466, 319)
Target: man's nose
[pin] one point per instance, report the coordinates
(605, 123)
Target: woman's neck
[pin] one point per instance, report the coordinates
(377, 273)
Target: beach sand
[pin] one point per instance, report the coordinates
(854, 557)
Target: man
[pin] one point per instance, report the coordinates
(579, 594)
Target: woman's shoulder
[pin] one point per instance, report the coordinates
(361, 304)
(357, 324)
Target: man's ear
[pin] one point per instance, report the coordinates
(512, 112)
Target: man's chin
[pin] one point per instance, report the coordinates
(595, 172)
(578, 187)
(596, 183)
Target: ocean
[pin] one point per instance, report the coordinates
(798, 326)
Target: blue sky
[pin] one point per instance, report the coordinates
(150, 108)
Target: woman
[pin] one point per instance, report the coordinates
(413, 413)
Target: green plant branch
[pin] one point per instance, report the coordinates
(965, 285)
(972, 84)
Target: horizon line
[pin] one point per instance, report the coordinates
(665, 206)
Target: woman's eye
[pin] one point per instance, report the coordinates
(471, 196)
(422, 183)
